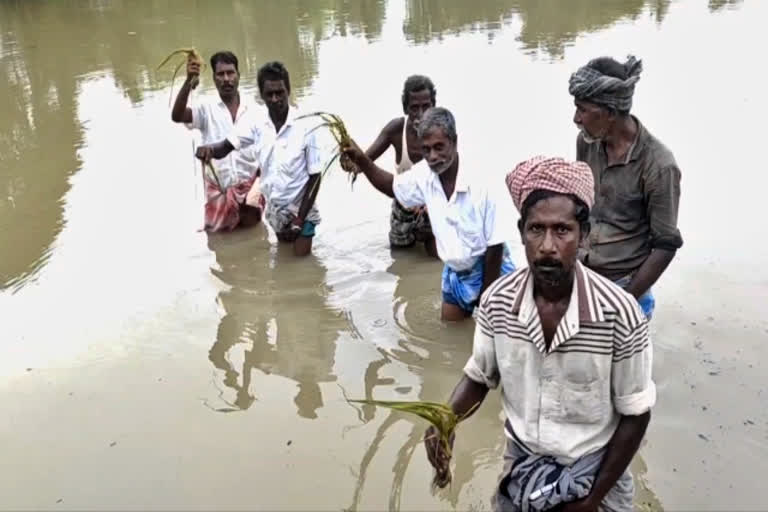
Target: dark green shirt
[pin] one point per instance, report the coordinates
(636, 204)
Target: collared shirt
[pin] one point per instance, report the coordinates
(464, 226)
(212, 117)
(287, 157)
(636, 204)
(564, 400)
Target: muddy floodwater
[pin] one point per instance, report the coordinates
(147, 365)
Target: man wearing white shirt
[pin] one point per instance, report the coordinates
(290, 159)
(228, 203)
(470, 240)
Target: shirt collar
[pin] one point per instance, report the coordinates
(582, 308)
(633, 153)
(242, 107)
(462, 181)
(638, 143)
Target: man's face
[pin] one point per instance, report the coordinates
(275, 96)
(551, 236)
(438, 150)
(593, 121)
(226, 78)
(418, 103)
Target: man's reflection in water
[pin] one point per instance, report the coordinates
(275, 312)
(445, 351)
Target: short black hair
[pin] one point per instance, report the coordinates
(581, 213)
(415, 83)
(225, 57)
(273, 70)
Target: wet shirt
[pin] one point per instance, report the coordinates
(212, 117)
(636, 204)
(564, 400)
(464, 226)
(287, 157)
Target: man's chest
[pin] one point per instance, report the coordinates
(572, 383)
(282, 152)
(461, 218)
(620, 191)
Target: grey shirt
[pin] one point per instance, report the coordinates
(636, 204)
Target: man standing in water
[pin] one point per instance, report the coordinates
(407, 225)
(571, 352)
(228, 203)
(634, 222)
(470, 240)
(290, 159)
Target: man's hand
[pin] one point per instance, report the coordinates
(193, 72)
(293, 230)
(436, 454)
(204, 153)
(354, 153)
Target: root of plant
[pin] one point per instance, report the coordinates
(339, 131)
(441, 416)
(190, 54)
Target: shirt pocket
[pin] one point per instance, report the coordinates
(579, 402)
(289, 152)
(468, 225)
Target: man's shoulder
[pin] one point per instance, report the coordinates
(613, 299)
(505, 289)
(660, 156)
(394, 127)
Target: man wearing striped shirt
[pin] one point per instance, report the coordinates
(571, 352)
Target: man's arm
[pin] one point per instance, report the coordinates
(310, 193)
(621, 448)
(382, 142)
(216, 150)
(650, 271)
(465, 400)
(379, 178)
(181, 113)
(492, 271)
(662, 196)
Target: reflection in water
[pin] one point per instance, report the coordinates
(49, 48)
(716, 5)
(547, 25)
(433, 345)
(275, 311)
(58, 115)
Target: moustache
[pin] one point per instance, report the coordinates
(546, 262)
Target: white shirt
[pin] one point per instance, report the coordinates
(212, 117)
(287, 157)
(565, 401)
(464, 225)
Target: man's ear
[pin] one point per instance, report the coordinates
(520, 226)
(585, 230)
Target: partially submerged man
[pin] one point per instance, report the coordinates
(228, 203)
(571, 352)
(470, 240)
(290, 159)
(408, 225)
(634, 222)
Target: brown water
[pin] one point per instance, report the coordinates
(145, 365)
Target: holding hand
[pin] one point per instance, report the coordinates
(437, 456)
(193, 71)
(204, 153)
(354, 153)
(292, 230)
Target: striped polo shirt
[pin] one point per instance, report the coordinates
(565, 400)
